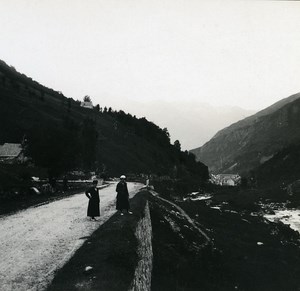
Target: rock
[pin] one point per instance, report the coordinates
(88, 269)
(34, 190)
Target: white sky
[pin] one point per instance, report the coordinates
(237, 53)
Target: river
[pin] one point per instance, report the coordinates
(290, 217)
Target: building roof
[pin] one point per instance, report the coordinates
(10, 150)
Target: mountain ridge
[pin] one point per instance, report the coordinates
(181, 117)
(60, 135)
(248, 143)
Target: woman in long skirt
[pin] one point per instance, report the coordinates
(122, 196)
(94, 201)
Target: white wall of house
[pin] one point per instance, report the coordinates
(87, 105)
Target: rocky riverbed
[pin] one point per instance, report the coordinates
(290, 217)
(249, 252)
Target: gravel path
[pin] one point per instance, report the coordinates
(39, 240)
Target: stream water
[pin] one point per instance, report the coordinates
(290, 217)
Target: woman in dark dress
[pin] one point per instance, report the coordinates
(122, 196)
(94, 200)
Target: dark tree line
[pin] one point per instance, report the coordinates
(184, 162)
(144, 128)
(63, 148)
(60, 144)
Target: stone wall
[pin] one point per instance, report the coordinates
(143, 232)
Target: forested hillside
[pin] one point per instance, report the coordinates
(282, 169)
(60, 135)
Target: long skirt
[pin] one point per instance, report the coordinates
(122, 202)
(93, 208)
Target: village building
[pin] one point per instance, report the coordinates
(226, 179)
(87, 104)
(11, 153)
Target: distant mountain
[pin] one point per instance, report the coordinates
(192, 123)
(247, 144)
(60, 135)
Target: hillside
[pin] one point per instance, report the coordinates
(207, 119)
(252, 141)
(60, 135)
(283, 169)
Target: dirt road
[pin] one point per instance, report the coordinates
(37, 241)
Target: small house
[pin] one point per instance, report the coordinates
(87, 104)
(228, 182)
(226, 179)
(11, 153)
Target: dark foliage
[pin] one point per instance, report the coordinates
(53, 148)
(62, 135)
(284, 167)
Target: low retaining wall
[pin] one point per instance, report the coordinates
(118, 254)
(143, 271)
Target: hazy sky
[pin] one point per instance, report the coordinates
(238, 53)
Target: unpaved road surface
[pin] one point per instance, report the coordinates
(39, 240)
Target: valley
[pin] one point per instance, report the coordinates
(219, 213)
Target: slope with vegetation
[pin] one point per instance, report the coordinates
(59, 135)
(249, 143)
(282, 169)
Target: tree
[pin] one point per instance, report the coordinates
(42, 96)
(3, 81)
(177, 145)
(166, 132)
(97, 107)
(54, 148)
(166, 135)
(87, 98)
(69, 104)
(89, 136)
(244, 182)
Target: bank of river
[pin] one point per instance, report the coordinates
(290, 217)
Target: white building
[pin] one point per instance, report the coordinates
(87, 104)
(11, 152)
(226, 179)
